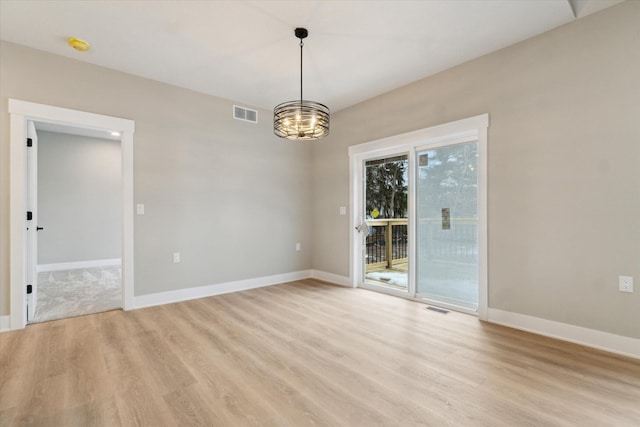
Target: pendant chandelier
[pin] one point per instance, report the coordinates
(300, 119)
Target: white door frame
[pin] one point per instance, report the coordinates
(32, 230)
(20, 113)
(408, 142)
(443, 302)
(358, 161)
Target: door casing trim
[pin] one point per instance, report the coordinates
(443, 134)
(20, 113)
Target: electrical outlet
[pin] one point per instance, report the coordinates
(176, 257)
(342, 210)
(140, 209)
(625, 283)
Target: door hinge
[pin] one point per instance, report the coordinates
(29, 142)
(29, 289)
(29, 215)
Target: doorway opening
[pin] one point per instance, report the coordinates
(419, 203)
(76, 209)
(23, 213)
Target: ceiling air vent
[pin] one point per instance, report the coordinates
(245, 114)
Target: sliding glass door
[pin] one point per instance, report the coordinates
(447, 224)
(419, 217)
(385, 212)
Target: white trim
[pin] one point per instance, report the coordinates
(483, 224)
(412, 224)
(5, 322)
(457, 129)
(20, 112)
(31, 233)
(332, 278)
(355, 251)
(17, 223)
(68, 117)
(169, 297)
(612, 343)
(436, 136)
(79, 264)
(384, 289)
(446, 142)
(356, 172)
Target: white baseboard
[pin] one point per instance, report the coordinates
(612, 343)
(5, 323)
(330, 277)
(217, 289)
(202, 291)
(618, 344)
(79, 264)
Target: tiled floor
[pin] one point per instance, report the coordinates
(70, 293)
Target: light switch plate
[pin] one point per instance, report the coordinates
(343, 210)
(176, 257)
(140, 209)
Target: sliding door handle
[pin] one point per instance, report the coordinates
(39, 228)
(363, 228)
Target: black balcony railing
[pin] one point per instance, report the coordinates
(458, 244)
(382, 231)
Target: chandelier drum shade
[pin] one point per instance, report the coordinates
(301, 119)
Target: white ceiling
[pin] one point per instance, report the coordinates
(246, 50)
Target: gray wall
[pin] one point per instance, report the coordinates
(79, 198)
(229, 195)
(564, 167)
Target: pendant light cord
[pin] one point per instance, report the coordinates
(301, 45)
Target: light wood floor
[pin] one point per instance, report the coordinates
(305, 353)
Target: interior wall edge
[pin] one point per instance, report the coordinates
(336, 279)
(5, 323)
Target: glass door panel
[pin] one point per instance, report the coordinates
(447, 224)
(386, 215)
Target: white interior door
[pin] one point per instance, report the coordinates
(32, 225)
